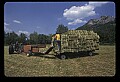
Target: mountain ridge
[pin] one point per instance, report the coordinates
(104, 26)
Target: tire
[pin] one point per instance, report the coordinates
(11, 50)
(62, 56)
(90, 53)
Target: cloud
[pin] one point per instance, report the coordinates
(16, 21)
(76, 22)
(7, 29)
(25, 32)
(78, 13)
(5, 23)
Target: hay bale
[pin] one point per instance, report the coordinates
(79, 40)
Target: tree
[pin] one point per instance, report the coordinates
(11, 38)
(42, 38)
(22, 38)
(34, 38)
(61, 29)
(50, 38)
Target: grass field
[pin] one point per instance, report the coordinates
(102, 63)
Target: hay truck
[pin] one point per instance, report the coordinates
(77, 41)
(72, 41)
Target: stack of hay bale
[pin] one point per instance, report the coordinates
(79, 40)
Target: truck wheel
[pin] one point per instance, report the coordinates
(62, 56)
(90, 53)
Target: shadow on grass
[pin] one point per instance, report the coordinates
(48, 57)
(78, 55)
(45, 55)
(69, 55)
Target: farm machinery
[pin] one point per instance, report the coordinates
(71, 41)
(15, 48)
(28, 49)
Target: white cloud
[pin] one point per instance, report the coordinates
(7, 29)
(16, 21)
(25, 32)
(5, 23)
(78, 13)
(76, 22)
(20, 31)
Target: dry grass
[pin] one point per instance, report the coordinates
(102, 64)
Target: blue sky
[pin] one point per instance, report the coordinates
(44, 17)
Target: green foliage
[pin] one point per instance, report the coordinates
(42, 38)
(61, 29)
(22, 38)
(10, 38)
(35, 38)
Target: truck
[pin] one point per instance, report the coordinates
(76, 41)
(72, 41)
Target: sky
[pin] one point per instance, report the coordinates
(44, 17)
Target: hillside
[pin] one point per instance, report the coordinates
(104, 26)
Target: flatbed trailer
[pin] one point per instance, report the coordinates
(71, 41)
(77, 41)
